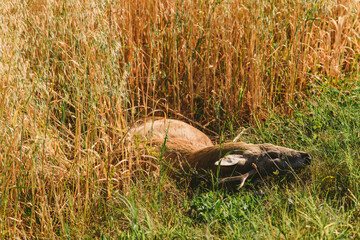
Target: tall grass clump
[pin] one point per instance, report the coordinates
(205, 58)
(75, 75)
(63, 117)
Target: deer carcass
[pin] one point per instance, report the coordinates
(185, 146)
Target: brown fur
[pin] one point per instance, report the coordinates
(172, 129)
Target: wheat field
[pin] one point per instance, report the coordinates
(76, 74)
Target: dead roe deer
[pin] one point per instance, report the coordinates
(187, 147)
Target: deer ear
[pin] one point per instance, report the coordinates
(231, 160)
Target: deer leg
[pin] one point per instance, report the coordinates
(242, 178)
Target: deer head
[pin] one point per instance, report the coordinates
(238, 161)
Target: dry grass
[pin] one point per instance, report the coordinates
(75, 73)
